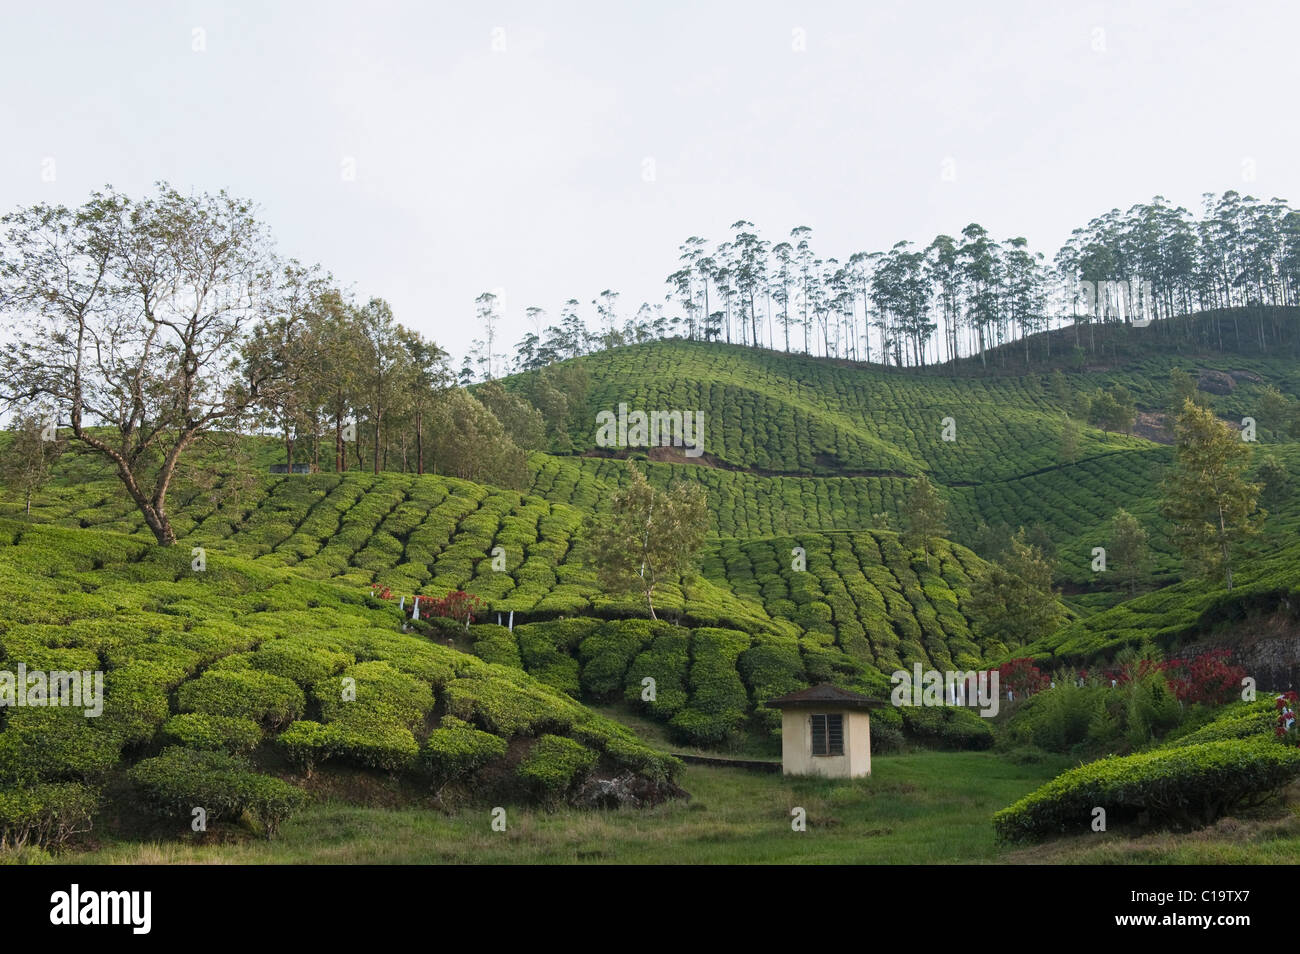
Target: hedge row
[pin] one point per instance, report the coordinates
(1187, 786)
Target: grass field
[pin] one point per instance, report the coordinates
(923, 808)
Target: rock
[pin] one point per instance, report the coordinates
(628, 789)
(1250, 376)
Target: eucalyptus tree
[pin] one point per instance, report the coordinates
(859, 278)
(943, 266)
(1025, 303)
(750, 270)
(981, 274)
(781, 276)
(487, 311)
(429, 375)
(606, 305)
(801, 235)
(284, 347)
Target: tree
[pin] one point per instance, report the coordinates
(130, 317)
(336, 366)
(429, 375)
(281, 351)
(489, 317)
(1275, 481)
(1069, 452)
(1128, 548)
(1207, 497)
(384, 359)
(1183, 387)
(1012, 600)
(924, 514)
(650, 535)
(26, 465)
(522, 422)
(1113, 410)
(467, 441)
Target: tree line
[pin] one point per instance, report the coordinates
(149, 327)
(956, 297)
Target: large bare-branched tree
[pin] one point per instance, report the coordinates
(129, 317)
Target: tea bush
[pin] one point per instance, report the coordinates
(456, 749)
(178, 780)
(1187, 786)
(554, 765)
(196, 730)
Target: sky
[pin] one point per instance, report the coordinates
(425, 153)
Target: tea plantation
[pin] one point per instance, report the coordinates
(251, 669)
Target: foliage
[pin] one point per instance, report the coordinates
(1207, 498)
(1012, 600)
(650, 536)
(1186, 787)
(179, 780)
(553, 765)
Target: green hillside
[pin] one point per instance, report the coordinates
(223, 682)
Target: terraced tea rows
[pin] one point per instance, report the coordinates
(236, 657)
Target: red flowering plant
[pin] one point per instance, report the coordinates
(1022, 678)
(1286, 720)
(380, 591)
(1208, 678)
(457, 605)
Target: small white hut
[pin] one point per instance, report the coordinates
(825, 730)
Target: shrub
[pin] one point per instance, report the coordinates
(1059, 719)
(553, 765)
(545, 654)
(305, 743)
(46, 815)
(666, 662)
(291, 658)
(456, 749)
(623, 746)
(496, 644)
(1208, 678)
(197, 730)
(383, 694)
(135, 701)
(54, 744)
(950, 727)
(608, 652)
(179, 780)
(885, 736)
(271, 700)
(376, 744)
(718, 700)
(1187, 786)
(1239, 721)
(506, 702)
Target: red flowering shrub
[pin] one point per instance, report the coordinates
(1207, 678)
(383, 592)
(457, 605)
(1022, 677)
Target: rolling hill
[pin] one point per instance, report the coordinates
(242, 660)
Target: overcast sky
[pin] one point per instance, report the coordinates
(427, 152)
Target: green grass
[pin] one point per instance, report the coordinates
(926, 808)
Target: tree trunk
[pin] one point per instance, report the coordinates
(340, 455)
(419, 442)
